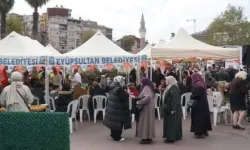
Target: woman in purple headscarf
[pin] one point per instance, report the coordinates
(145, 126)
(200, 116)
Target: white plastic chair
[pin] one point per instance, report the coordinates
(214, 107)
(98, 99)
(72, 110)
(130, 106)
(184, 107)
(157, 105)
(51, 103)
(36, 99)
(83, 101)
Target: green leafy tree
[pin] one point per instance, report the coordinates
(5, 7)
(87, 35)
(36, 4)
(127, 42)
(231, 27)
(14, 24)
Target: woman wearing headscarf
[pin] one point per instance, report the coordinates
(200, 116)
(117, 115)
(64, 98)
(172, 112)
(145, 126)
(238, 92)
(17, 96)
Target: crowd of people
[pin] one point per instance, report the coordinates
(18, 95)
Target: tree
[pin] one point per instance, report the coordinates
(172, 35)
(87, 35)
(35, 4)
(127, 42)
(231, 27)
(5, 7)
(14, 24)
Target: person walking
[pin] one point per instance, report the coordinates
(238, 91)
(117, 114)
(172, 111)
(145, 127)
(200, 115)
(16, 97)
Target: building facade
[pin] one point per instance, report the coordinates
(65, 33)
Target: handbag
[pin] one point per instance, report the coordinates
(23, 100)
(191, 103)
(139, 107)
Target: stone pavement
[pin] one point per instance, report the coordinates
(96, 137)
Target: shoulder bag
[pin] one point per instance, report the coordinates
(23, 99)
(191, 103)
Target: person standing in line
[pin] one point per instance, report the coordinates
(117, 114)
(145, 127)
(57, 79)
(16, 97)
(187, 82)
(77, 77)
(208, 77)
(238, 92)
(172, 111)
(200, 115)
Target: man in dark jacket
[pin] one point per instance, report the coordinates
(157, 77)
(117, 115)
(231, 73)
(187, 81)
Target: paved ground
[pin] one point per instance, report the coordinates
(96, 137)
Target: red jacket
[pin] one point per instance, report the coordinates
(4, 81)
(134, 91)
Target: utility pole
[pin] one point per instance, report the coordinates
(193, 20)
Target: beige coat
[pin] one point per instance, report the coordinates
(145, 128)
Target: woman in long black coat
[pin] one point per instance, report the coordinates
(117, 115)
(172, 123)
(200, 115)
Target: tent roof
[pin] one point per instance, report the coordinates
(98, 45)
(147, 49)
(53, 50)
(17, 45)
(184, 45)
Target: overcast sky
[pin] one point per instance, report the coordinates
(161, 16)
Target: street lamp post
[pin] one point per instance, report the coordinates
(193, 20)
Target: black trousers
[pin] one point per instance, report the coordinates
(116, 134)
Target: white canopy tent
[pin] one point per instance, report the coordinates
(147, 49)
(98, 45)
(183, 45)
(53, 50)
(17, 45)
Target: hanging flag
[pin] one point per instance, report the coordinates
(29, 68)
(135, 64)
(109, 67)
(19, 69)
(101, 67)
(118, 66)
(84, 67)
(10, 68)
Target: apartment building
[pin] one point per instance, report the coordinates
(65, 32)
